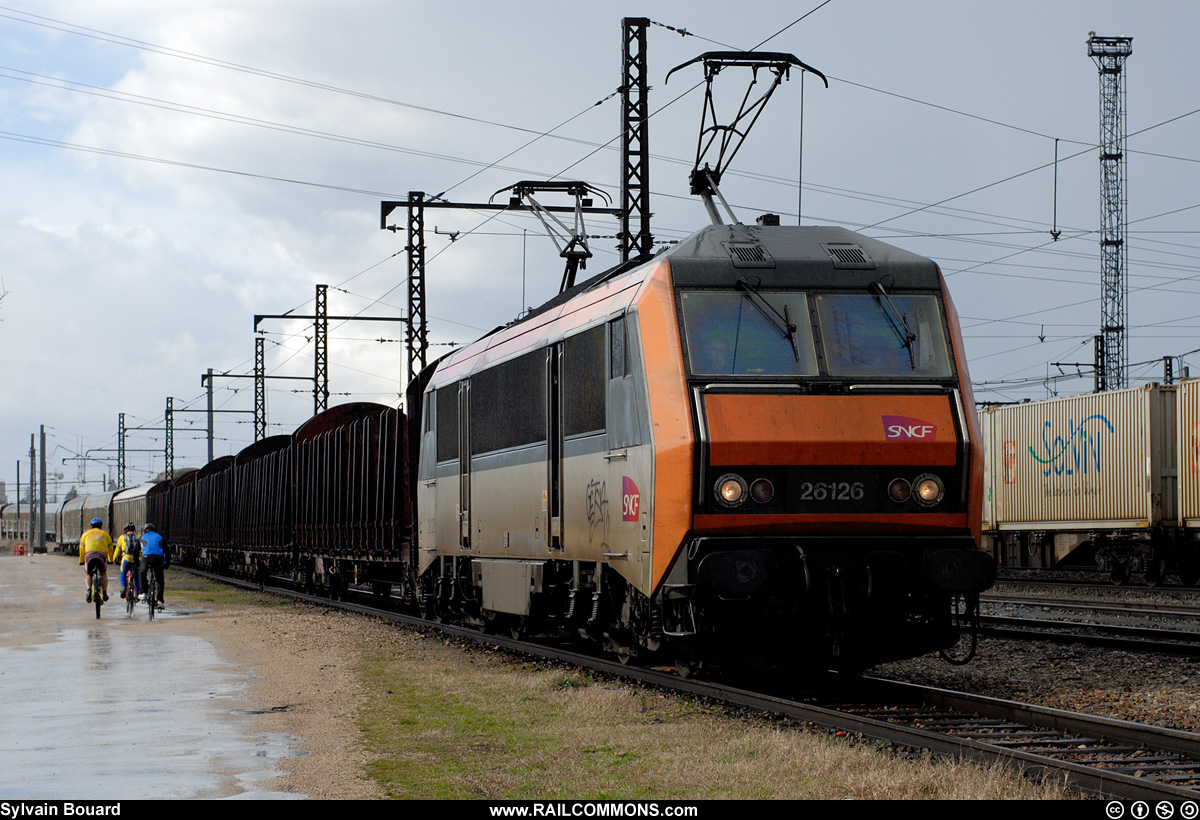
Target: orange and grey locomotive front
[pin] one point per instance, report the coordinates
(835, 469)
(753, 447)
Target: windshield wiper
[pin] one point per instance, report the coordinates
(783, 321)
(897, 320)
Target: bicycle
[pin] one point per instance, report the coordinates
(96, 586)
(130, 590)
(152, 591)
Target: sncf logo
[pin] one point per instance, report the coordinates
(631, 500)
(901, 428)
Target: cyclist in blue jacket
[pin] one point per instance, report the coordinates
(153, 559)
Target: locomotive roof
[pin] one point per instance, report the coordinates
(817, 256)
(777, 256)
(780, 256)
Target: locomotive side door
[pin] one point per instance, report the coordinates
(464, 464)
(554, 442)
(440, 475)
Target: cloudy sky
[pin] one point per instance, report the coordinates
(169, 169)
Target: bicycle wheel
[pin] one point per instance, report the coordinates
(130, 594)
(152, 592)
(97, 592)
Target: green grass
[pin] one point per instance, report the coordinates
(196, 589)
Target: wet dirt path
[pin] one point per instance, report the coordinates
(118, 708)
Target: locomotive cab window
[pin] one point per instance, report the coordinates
(618, 350)
(896, 335)
(446, 402)
(748, 333)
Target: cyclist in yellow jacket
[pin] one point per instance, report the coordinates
(129, 550)
(96, 545)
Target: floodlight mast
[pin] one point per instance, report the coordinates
(1112, 356)
(726, 140)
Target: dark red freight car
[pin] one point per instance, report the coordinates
(262, 505)
(327, 506)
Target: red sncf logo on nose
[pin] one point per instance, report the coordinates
(902, 428)
(631, 499)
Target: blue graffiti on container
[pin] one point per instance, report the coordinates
(1074, 454)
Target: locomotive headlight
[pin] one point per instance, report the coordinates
(928, 489)
(762, 490)
(731, 490)
(899, 490)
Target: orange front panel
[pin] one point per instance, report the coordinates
(975, 501)
(670, 418)
(756, 430)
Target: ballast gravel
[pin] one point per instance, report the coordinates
(1145, 687)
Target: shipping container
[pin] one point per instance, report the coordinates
(1095, 473)
(1189, 452)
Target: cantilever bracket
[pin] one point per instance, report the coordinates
(571, 241)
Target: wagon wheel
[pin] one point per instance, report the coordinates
(688, 668)
(518, 628)
(429, 610)
(1119, 574)
(1156, 572)
(492, 622)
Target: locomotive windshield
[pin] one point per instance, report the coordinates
(888, 335)
(770, 333)
(748, 333)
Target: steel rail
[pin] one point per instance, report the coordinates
(1109, 636)
(1180, 612)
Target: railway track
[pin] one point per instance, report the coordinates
(1092, 622)
(1089, 580)
(1108, 636)
(1174, 611)
(1100, 756)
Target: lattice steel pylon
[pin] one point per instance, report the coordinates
(321, 361)
(169, 438)
(635, 143)
(260, 389)
(418, 335)
(1109, 54)
(121, 450)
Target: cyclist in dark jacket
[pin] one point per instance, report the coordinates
(153, 558)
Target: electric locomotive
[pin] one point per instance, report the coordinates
(753, 446)
(750, 450)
